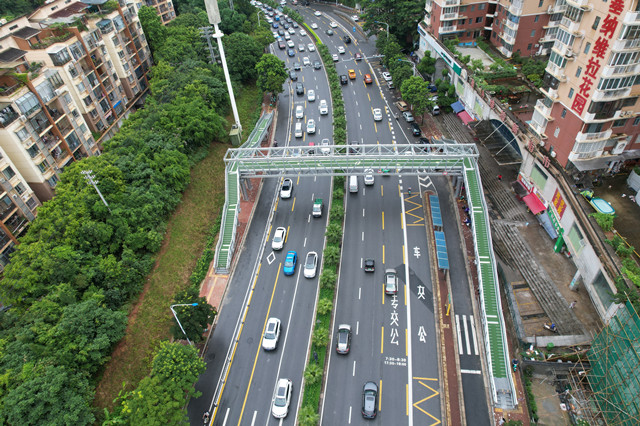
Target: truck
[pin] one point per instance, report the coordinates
(318, 206)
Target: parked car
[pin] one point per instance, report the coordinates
(386, 76)
(271, 334)
(408, 117)
(343, 339)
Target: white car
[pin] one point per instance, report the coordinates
(287, 36)
(324, 147)
(281, 398)
(278, 238)
(286, 189)
(303, 33)
(305, 61)
(324, 108)
(291, 44)
(311, 126)
(355, 17)
(317, 13)
(332, 24)
(301, 47)
(311, 47)
(368, 178)
(377, 114)
(311, 264)
(299, 111)
(311, 95)
(314, 26)
(386, 76)
(275, 35)
(341, 50)
(291, 30)
(335, 57)
(271, 334)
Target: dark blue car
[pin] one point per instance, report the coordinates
(291, 52)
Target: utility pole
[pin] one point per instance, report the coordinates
(214, 19)
(89, 176)
(206, 34)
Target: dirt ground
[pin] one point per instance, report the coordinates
(627, 221)
(548, 403)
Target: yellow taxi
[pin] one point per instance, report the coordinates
(352, 74)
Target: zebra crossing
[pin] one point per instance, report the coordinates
(465, 327)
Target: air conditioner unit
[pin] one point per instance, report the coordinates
(569, 53)
(100, 43)
(536, 45)
(23, 118)
(57, 92)
(619, 148)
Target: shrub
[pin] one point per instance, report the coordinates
(312, 374)
(320, 337)
(332, 255)
(325, 306)
(328, 279)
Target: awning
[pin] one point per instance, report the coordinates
(457, 107)
(547, 225)
(465, 117)
(533, 202)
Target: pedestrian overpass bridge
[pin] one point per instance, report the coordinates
(341, 160)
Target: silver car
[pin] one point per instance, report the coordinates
(281, 398)
(271, 334)
(311, 95)
(390, 281)
(311, 264)
(343, 339)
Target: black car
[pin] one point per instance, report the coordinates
(281, 32)
(299, 89)
(369, 400)
(415, 129)
(293, 76)
(369, 265)
(281, 45)
(346, 39)
(317, 65)
(291, 52)
(296, 66)
(344, 79)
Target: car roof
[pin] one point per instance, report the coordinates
(344, 327)
(370, 386)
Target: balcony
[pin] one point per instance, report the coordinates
(544, 110)
(539, 129)
(516, 7)
(448, 3)
(594, 136)
(631, 18)
(625, 44)
(8, 116)
(506, 37)
(551, 93)
(556, 9)
(620, 70)
(449, 16)
(556, 71)
(441, 30)
(513, 25)
(609, 95)
(570, 26)
(581, 4)
(564, 50)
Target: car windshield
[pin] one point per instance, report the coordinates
(280, 401)
(270, 334)
(277, 238)
(310, 262)
(342, 338)
(289, 261)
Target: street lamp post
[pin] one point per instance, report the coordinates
(380, 22)
(415, 71)
(176, 317)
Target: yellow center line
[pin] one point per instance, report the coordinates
(381, 191)
(298, 181)
(383, 221)
(404, 260)
(269, 233)
(368, 95)
(375, 126)
(255, 361)
(406, 396)
(406, 342)
(401, 222)
(294, 203)
(380, 396)
(382, 339)
(286, 237)
(275, 208)
(383, 254)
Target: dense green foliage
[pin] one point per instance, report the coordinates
(402, 16)
(415, 91)
(10, 9)
(80, 264)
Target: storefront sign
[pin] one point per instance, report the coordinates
(558, 203)
(598, 53)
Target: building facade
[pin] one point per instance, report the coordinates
(70, 73)
(164, 8)
(589, 118)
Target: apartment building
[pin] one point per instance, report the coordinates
(511, 25)
(589, 118)
(164, 8)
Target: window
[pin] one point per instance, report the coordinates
(463, 9)
(587, 47)
(494, 35)
(468, 33)
(624, 58)
(536, 19)
(80, 87)
(565, 38)
(564, 113)
(619, 123)
(19, 188)
(616, 83)
(533, 33)
(636, 121)
(529, 46)
(8, 173)
(596, 22)
(33, 151)
(473, 6)
(556, 132)
(478, 19)
(22, 134)
(43, 166)
(481, 6)
(578, 72)
(570, 93)
(75, 113)
(470, 21)
(461, 21)
(540, 3)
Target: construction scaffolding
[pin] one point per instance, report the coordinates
(605, 388)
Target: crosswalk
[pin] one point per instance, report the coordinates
(465, 327)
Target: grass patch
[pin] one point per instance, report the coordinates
(187, 232)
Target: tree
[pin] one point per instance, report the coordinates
(312, 374)
(416, 92)
(427, 65)
(194, 319)
(401, 15)
(271, 74)
(308, 416)
(231, 20)
(154, 31)
(401, 71)
(242, 53)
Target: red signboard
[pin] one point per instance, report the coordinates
(558, 203)
(601, 46)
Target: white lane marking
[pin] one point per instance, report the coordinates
(350, 407)
(359, 294)
(362, 212)
(305, 242)
(354, 369)
(357, 327)
(253, 420)
(362, 235)
(361, 263)
(460, 349)
(463, 371)
(309, 219)
(466, 334)
(226, 416)
(473, 335)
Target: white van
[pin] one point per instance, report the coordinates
(353, 183)
(298, 132)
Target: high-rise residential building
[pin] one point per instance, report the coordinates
(69, 73)
(164, 8)
(511, 25)
(589, 117)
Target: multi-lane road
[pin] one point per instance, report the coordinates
(394, 341)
